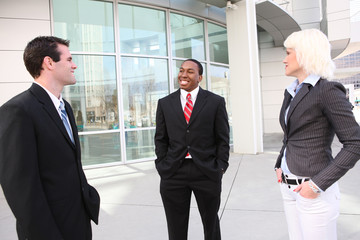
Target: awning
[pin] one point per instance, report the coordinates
(270, 17)
(276, 21)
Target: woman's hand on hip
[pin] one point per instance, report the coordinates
(305, 191)
(278, 175)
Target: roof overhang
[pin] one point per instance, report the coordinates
(269, 16)
(276, 21)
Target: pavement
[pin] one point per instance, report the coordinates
(251, 208)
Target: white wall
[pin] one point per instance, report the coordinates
(20, 22)
(273, 80)
(273, 84)
(338, 16)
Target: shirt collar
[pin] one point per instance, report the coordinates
(54, 99)
(193, 93)
(311, 79)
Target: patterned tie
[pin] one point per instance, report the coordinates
(187, 111)
(64, 120)
(188, 108)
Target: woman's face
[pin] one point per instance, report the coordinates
(292, 67)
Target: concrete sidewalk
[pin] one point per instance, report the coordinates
(251, 209)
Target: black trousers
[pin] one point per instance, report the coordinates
(176, 196)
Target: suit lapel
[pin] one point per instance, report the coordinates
(176, 102)
(286, 102)
(297, 99)
(48, 105)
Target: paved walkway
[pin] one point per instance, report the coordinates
(251, 208)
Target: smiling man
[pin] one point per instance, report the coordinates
(192, 148)
(40, 163)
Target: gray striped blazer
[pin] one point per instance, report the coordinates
(315, 115)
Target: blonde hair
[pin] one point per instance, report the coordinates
(313, 50)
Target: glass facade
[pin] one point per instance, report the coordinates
(94, 96)
(88, 24)
(218, 43)
(348, 69)
(128, 57)
(187, 37)
(142, 30)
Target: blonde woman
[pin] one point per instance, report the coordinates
(313, 111)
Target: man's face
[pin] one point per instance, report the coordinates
(64, 69)
(189, 77)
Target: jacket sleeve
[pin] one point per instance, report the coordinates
(222, 132)
(19, 175)
(161, 136)
(338, 111)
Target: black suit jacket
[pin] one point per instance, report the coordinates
(41, 172)
(315, 115)
(206, 137)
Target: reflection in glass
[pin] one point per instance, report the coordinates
(187, 37)
(218, 43)
(87, 24)
(142, 30)
(176, 68)
(220, 84)
(139, 144)
(94, 96)
(144, 82)
(100, 148)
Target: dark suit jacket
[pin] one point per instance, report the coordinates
(315, 115)
(206, 137)
(41, 172)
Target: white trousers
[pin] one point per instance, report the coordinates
(311, 219)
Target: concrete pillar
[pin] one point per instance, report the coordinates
(245, 92)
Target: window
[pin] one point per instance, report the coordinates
(144, 82)
(187, 37)
(220, 85)
(100, 148)
(140, 144)
(142, 30)
(123, 71)
(94, 96)
(218, 43)
(88, 24)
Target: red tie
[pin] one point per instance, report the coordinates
(187, 111)
(188, 108)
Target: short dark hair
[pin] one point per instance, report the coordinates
(200, 67)
(40, 47)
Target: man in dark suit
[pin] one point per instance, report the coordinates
(40, 163)
(192, 148)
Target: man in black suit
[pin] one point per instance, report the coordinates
(192, 148)
(40, 163)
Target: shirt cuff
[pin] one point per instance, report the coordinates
(314, 184)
